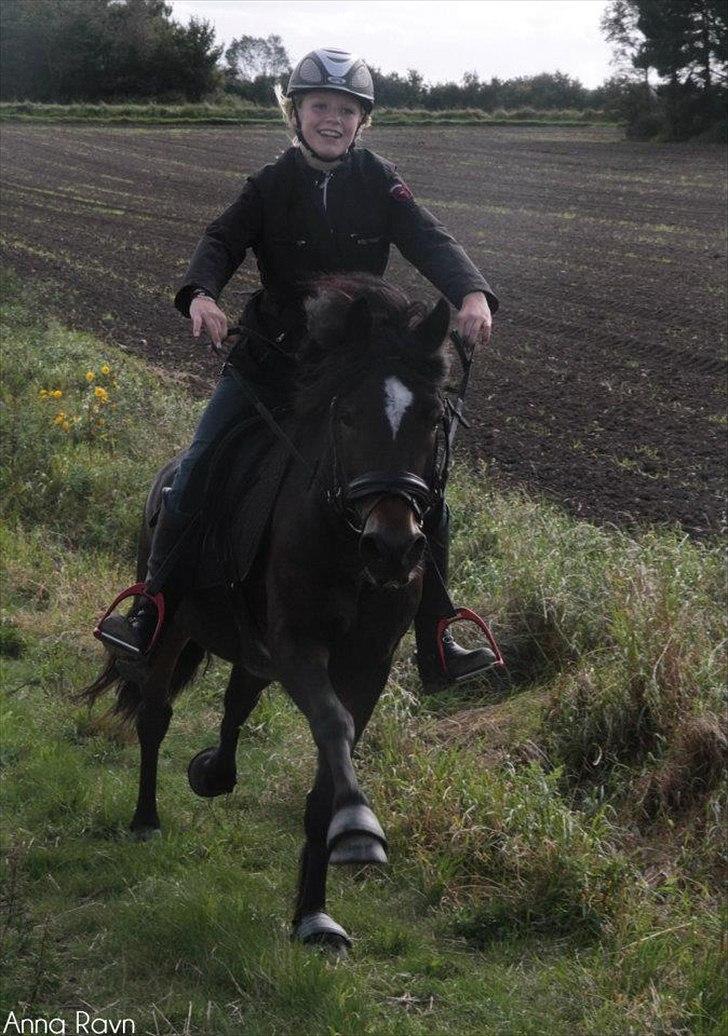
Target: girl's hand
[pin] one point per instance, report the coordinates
(205, 312)
(474, 322)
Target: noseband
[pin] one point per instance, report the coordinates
(343, 493)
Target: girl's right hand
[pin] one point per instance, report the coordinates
(205, 313)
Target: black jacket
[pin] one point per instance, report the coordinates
(300, 222)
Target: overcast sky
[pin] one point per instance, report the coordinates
(441, 38)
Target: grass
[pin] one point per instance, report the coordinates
(556, 834)
(236, 112)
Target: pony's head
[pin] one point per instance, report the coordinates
(375, 365)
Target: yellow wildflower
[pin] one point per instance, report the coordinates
(59, 418)
(101, 394)
(90, 376)
(105, 369)
(56, 394)
(44, 393)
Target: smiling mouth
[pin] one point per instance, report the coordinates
(329, 134)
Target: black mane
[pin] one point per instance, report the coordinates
(330, 364)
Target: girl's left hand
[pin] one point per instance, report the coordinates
(474, 322)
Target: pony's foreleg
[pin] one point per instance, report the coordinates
(152, 723)
(212, 771)
(311, 923)
(303, 673)
(354, 835)
(311, 895)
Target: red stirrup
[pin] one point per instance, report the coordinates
(467, 615)
(137, 590)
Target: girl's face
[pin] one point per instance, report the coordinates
(329, 121)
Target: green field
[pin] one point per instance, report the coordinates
(556, 836)
(241, 113)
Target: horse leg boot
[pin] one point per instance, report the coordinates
(460, 663)
(131, 634)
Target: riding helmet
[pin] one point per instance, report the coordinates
(330, 69)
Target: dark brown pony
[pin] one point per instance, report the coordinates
(336, 584)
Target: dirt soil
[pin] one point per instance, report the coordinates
(604, 387)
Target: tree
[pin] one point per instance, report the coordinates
(686, 43)
(251, 56)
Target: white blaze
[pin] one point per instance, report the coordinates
(397, 397)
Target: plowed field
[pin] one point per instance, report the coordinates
(605, 384)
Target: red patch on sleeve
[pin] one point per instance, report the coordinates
(401, 192)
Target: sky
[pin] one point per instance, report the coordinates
(440, 38)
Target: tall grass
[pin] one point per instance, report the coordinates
(83, 480)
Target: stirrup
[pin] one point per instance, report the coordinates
(467, 615)
(137, 590)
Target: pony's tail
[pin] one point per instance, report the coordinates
(130, 694)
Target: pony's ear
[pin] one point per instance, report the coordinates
(430, 332)
(358, 323)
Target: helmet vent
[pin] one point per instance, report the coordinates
(336, 62)
(360, 77)
(309, 72)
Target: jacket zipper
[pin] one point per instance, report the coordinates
(324, 185)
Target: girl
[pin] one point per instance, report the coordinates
(326, 205)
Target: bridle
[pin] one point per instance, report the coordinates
(421, 495)
(340, 492)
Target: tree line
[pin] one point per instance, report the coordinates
(101, 50)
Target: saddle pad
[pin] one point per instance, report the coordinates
(240, 500)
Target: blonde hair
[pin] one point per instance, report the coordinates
(288, 111)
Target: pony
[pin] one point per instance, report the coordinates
(335, 583)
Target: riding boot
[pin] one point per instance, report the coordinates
(460, 663)
(132, 634)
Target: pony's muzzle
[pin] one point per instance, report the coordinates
(392, 544)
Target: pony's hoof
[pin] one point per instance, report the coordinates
(203, 778)
(355, 837)
(321, 931)
(145, 834)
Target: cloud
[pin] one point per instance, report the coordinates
(503, 38)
